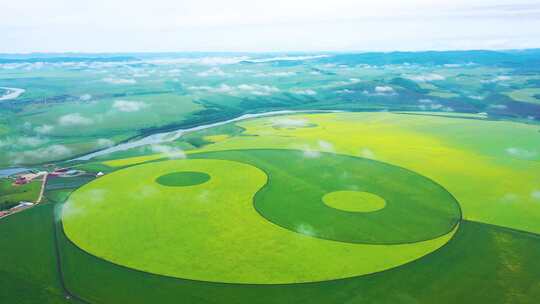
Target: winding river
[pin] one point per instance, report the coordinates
(170, 136)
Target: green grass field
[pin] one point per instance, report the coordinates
(318, 208)
(525, 95)
(11, 196)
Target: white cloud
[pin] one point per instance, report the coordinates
(501, 78)
(85, 97)
(104, 142)
(520, 152)
(498, 106)
(346, 82)
(254, 89)
(287, 58)
(129, 106)
(435, 106)
(44, 129)
(112, 80)
(289, 122)
(367, 153)
(215, 71)
(381, 91)
(223, 88)
(308, 92)
(208, 60)
(510, 197)
(74, 119)
(31, 141)
(306, 229)
(309, 153)
(426, 77)
(275, 74)
(325, 146)
(258, 89)
(321, 146)
(39, 155)
(476, 97)
(384, 89)
(73, 209)
(168, 151)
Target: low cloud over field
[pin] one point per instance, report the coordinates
(501, 78)
(113, 80)
(72, 209)
(39, 155)
(290, 122)
(275, 74)
(44, 129)
(535, 194)
(254, 89)
(306, 229)
(426, 77)
(367, 153)
(168, 151)
(308, 92)
(428, 104)
(30, 141)
(213, 72)
(85, 97)
(384, 89)
(104, 142)
(74, 119)
(381, 91)
(128, 105)
(326, 146)
(520, 152)
(315, 152)
(258, 89)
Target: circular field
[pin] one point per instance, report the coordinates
(354, 201)
(183, 179)
(255, 220)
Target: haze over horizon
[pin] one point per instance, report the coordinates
(257, 26)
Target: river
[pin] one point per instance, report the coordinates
(170, 136)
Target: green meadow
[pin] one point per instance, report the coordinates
(400, 178)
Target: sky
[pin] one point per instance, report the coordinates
(266, 26)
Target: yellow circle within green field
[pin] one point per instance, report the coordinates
(354, 201)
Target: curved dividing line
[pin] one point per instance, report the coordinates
(455, 230)
(457, 221)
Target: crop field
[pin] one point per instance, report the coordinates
(12, 195)
(358, 184)
(348, 215)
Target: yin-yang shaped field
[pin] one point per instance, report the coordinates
(315, 208)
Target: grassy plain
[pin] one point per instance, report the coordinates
(481, 264)
(525, 95)
(12, 195)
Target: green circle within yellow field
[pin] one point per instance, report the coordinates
(354, 201)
